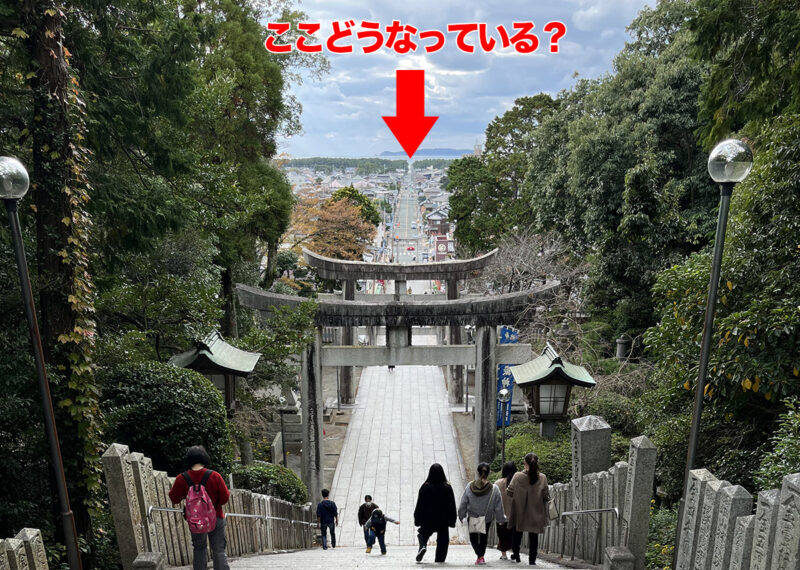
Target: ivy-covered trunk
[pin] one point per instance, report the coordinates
(60, 194)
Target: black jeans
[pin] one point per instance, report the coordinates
(442, 540)
(533, 541)
(478, 541)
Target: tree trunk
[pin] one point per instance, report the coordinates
(230, 328)
(272, 257)
(65, 288)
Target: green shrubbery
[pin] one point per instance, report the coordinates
(160, 410)
(661, 537)
(270, 479)
(555, 455)
(784, 458)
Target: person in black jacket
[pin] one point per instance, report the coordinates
(364, 512)
(435, 512)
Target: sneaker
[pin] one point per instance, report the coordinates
(421, 553)
(503, 556)
(383, 553)
(481, 561)
(369, 549)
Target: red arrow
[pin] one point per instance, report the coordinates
(410, 126)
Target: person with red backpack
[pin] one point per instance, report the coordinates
(205, 493)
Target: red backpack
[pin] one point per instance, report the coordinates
(199, 511)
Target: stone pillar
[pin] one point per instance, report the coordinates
(619, 475)
(742, 543)
(708, 524)
(123, 501)
(149, 561)
(456, 376)
(638, 492)
(591, 453)
(4, 563)
(400, 289)
(311, 408)
(15, 553)
(34, 548)
(346, 388)
(485, 390)
(142, 468)
(618, 558)
(690, 525)
(734, 502)
(786, 552)
(764, 529)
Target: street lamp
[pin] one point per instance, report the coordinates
(729, 163)
(13, 186)
(503, 396)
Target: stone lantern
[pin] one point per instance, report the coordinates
(547, 382)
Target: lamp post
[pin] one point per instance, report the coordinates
(503, 396)
(729, 163)
(13, 186)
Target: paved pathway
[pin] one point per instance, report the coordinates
(396, 557)
(401, 425)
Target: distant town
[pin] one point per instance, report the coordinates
(387, 183)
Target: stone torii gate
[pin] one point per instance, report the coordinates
(398, 313)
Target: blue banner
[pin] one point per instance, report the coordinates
(504, 377)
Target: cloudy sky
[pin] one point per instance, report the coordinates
(342, 112)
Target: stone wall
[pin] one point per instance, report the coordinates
(133, 487)
(23, 552)
(719, 530)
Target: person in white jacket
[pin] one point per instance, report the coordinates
(481, 499)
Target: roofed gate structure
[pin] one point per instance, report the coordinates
(398, 313)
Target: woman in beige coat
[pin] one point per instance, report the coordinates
(529, 495)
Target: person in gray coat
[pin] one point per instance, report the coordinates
(481, 499)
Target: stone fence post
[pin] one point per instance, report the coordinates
(638, 492)
(124, 505)
(786, 553)
(15, 552)
(591, 453)
(34, 548)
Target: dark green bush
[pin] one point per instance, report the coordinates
(617, 410)
(555, 455)
(784, 457)
(160, 410)
(270, 479)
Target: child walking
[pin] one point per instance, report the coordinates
(376, 527)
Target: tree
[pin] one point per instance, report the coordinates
(755, 64)
(333, 228)
(618, 171)
(754, 358)
(340, 231)
(477, 202)
(367, 207)
(508, 141)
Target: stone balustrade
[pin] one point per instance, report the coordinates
(720, 532)
(23, 552)
(134, 487)
(618, 540)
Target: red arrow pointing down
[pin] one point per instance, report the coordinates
(410, 126)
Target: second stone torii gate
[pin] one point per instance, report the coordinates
(398, 316)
